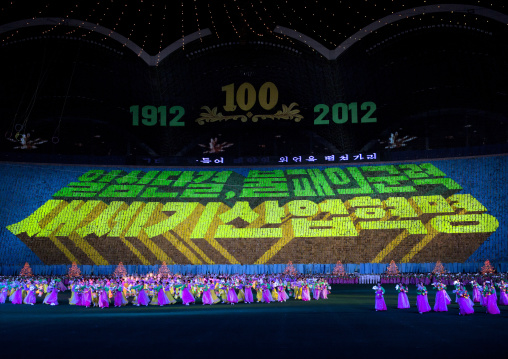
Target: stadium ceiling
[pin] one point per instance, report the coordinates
(150, 27)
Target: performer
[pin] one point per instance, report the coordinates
(4, 289)
(422, 301)
(380, 300)
(16, 296)
(207, 295)
(476, 291)
(141, 297)
(490, 299)
(403, 301)
(441, 298)
(231, 294)
(119, 299)
(30, 296)
(503, 289)
(248, 293)
(103, 298)
(51, 297)
(465, 303)
(187, 296)
(305, 292)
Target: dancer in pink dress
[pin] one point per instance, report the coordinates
(422, 301)
(380, 304)
(403, 301)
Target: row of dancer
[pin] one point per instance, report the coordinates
(164, 291)
(485, 295)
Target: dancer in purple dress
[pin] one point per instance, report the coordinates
(305, 292)
(232, 297)
(30, 296)
(207, 295)
(4, 290)
(249, 298)
(476, 291)
(442, 301)
(316, 291)
(17, 293)
(465, 303)
(103, 296)
(141, 296)
(490, 299)
(380, 300)
(503, 289)
(403, 301)
(422, 301)
(187, 296)
(52, 294)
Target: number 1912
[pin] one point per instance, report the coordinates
(151, 115)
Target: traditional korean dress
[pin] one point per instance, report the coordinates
(3, 293)
(248, 293)
(187, 296)
(231, 296)
(503, 296)
(491, 301)
(30, 296)
(442, 301)
(142, 297)
(207, 296)
(316, 292)
(465, 304)
(380, 300)
(403, 301)
(17, 294)
(103, 297)
(305, 293)
(422, 301)
(476, 292)
(51, 297)
(167, 292)
(86, 299)
(162, 297)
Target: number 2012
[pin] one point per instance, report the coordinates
(151, 115)
(342, 113)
